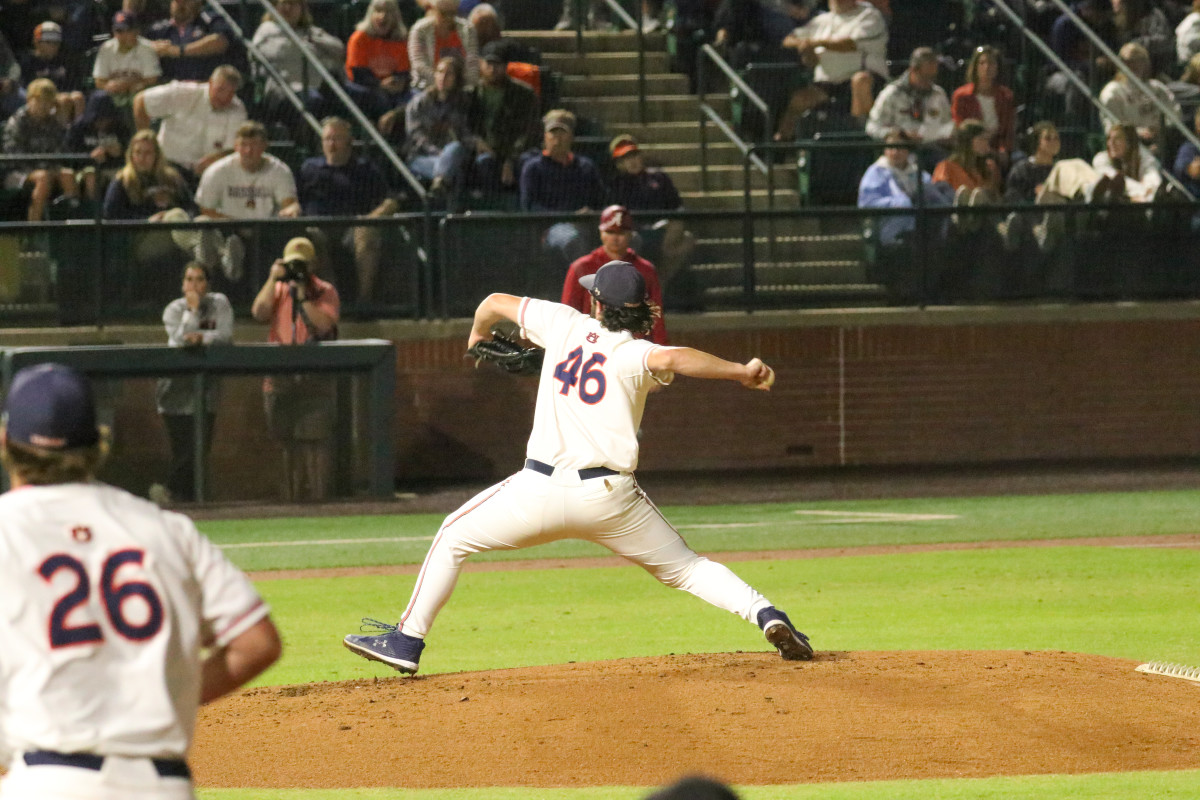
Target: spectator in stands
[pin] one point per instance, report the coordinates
(1081, 57)
(340, 184)
(289, 60)
(249, 183)
(149, 188)
(440, 143)
(199, 318)
(1024, 181)
(48, 60)
(1130, 167)
(743, 34)
(1130, 105)
(442, 33)
(1123, 170)
(503, 119)
(616, 235)
(643, 190)
(896, 180)
(971, 167)
(11, 95)
(1140, 22)
(127, 63)
(191, 43)
(983, 97)
(103, 132)
(520, 60)
(915, 104)
(1187, 161)
(1187, 35)
(378, 67)
(560, 180)
(847, 48)
(199, 120)
(36, 129)
(300, 308)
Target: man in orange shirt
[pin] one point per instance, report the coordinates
(616, 232)
(300, 307)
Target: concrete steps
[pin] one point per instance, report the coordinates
(595, 64)
(799, 260)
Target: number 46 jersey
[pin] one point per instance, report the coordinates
(591, 392)
(106, 602)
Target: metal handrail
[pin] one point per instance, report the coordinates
(364, 123)
(708, 113)
(253, 50)
(1168, 113)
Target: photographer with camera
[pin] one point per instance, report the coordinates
(301, 309)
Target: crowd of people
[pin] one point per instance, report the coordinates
(175, 125)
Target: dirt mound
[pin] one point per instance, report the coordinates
(746, 718)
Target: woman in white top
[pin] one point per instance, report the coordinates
(1126, 160)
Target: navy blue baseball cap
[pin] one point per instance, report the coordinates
(617, 283)
(51, 406)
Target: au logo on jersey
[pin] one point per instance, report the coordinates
(593, 338)
(81, 533)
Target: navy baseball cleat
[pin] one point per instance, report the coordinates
(780, 632)
(393, 648)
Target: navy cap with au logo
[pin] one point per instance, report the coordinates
(51, 406)
(617, 283)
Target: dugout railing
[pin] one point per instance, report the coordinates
(374, 360)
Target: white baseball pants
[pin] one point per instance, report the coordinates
(530, 509)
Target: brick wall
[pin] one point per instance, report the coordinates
(854, 394)
(972, 386)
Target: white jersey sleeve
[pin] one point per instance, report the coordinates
(591, 392)
(106, 606)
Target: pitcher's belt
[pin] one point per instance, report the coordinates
(165, 767)
(584, 474)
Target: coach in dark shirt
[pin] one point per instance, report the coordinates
(339, 184)
(560, 180)
(191, 43)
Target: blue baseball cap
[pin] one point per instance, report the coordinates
(617, 283)
(51, 406)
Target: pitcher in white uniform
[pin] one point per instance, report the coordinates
(117, 618)
(578, 480)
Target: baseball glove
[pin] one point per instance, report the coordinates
(508, 354)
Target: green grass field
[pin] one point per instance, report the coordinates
(1130, 602)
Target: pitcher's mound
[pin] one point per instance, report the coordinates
(745, 718)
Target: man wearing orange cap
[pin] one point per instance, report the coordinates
(616, 232)
(300, 307)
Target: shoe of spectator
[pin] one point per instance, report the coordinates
(1013, 231)
(208, 248)
(651, 24)
(1049, 232)
(233, 257)
(966, 223)
(564, 24)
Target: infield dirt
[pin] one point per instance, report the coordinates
(746, 718)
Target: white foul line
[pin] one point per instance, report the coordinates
(300, 543)
(826, 518)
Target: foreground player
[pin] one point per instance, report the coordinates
(108, 602)
(578, 478)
